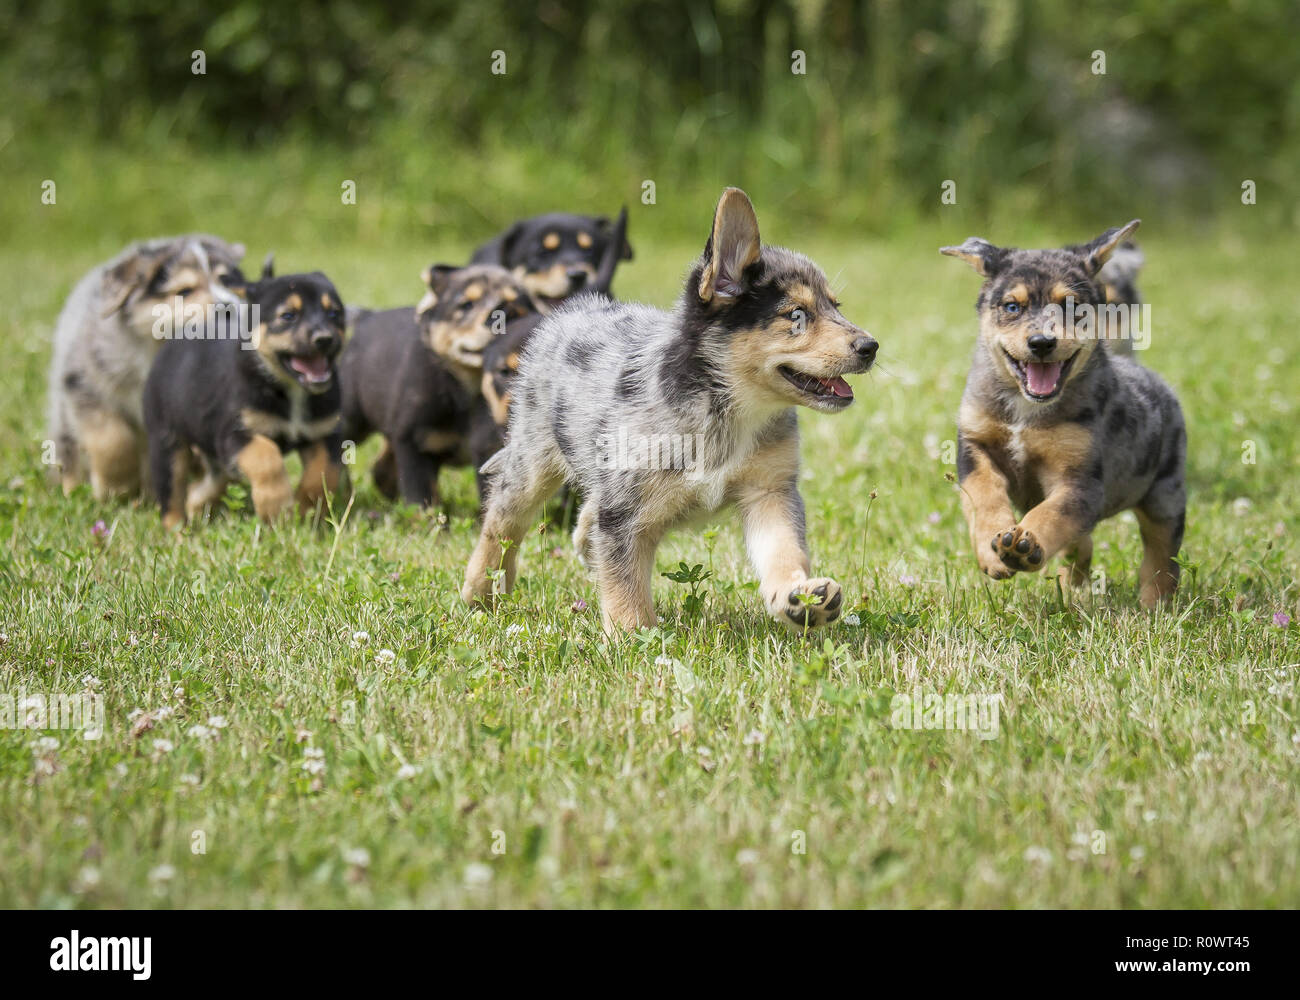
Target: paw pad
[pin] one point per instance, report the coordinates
(1018, 550)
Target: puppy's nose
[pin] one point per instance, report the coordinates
(865, 348)
(323, 341)
(1041, 344)
(577, 276)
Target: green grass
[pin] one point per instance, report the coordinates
(681, 766)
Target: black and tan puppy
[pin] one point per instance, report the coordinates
(235, 402)
(1059, 428)
(414, 375)
(555, 255)
(502, 355)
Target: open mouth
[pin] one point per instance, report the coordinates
(1040, 380)
(312, 370)
(834, 391)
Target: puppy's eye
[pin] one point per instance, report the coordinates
(185, 293)
(334, 316)
(1011, 307)
(799, 317)
(463, 307)
(287, 317)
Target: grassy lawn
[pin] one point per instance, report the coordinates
(448, 759)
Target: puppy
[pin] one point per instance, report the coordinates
(501, 360)
(556, 255)
(414, 375)
(1060, 429)
(236, 401)
(107, 335)
(657, 416)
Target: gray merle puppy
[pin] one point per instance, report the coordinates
(1056, 425)
(658, 416)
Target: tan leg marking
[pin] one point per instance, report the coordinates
(1158, 574)
(624, 584)
(113, 448)
(174, 515)
(262, 464)
(384, 472)
(987, 508)
(510, 511)
(319, 476)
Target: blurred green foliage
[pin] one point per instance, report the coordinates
(999, 95)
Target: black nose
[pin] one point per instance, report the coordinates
(865, 348)
(323, 341)
(577, 276)
(1041, 344)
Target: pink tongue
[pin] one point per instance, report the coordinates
(838, 386)
(1041, 378)
(316, 368)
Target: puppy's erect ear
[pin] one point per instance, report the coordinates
(268, 267)
(1096, 253)
(132, 275)
(979, 254)
(733, 245)
(507, 244)
(612, 255)
(436, 279)
(603, 224)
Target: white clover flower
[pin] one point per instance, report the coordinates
(217, 722)
(313, 753)
(407, 771)
(359, 639)
(200, 732)
(478, 874)
(746, 857)
(313, 767)
(189, 779)
(134, 714)
(87, 878)
(357, 856)
(91, 682)
(1038, 855)
(46, 744)
(754, 738)
(166, 712)
(121, 770)
(384, 657)
(162, 873)
(163, 746)
(853, 620)
(1150, 816)
(1241, 506)
(663, 660)
(1137, 852)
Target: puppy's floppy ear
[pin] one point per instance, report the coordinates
(979, 254)
(268, 267)
(733, 246)
(436, 279)
(132, 275)
(603, 224)
(1096, 253)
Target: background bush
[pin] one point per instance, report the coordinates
(998, 95)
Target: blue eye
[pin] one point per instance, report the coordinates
(1012, 307)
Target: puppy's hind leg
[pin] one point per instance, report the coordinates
(1159, 572)
(113, 447)
(169, 465)
(1078, 572)
(521, 483)
(624, 559)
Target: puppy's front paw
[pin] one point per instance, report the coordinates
(822, 609)
(1018, 550)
